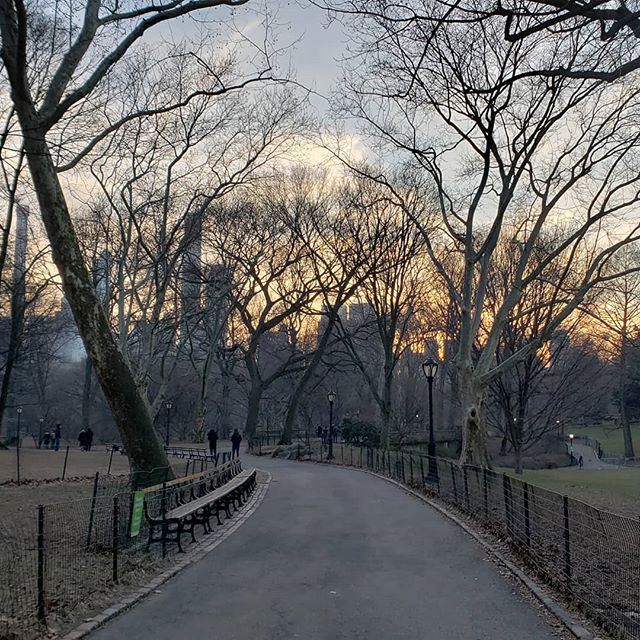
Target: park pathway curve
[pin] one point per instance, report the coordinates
(336, 554)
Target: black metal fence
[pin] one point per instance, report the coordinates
(590, 557)
(58, 562)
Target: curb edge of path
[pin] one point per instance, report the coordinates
(97, 621)
(547, 601)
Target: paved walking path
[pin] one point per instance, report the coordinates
(336, 554)
(591, 460)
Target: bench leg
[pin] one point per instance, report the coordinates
(150, 538)
(179, 532)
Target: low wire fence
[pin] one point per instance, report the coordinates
(60, 561)
(590, 557)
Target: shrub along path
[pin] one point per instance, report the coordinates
(333, 553)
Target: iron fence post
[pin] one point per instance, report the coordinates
(466, 487)
(453, 481)
(485, 493)
(115, 539)
(527, 523)
(93, 508)
(506, 486)
(41, 608)
(110, 461)
(567, 544)
(64, 466)
(163, 508)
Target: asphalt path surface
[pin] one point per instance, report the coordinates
(335, 553)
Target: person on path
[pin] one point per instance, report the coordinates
(82, 440)
(236, 439)
(212, 436)
(56, 437)
(319, 431)
(89, 438)
(46, 438)
(580, 462)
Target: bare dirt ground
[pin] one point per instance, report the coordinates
(46, 464)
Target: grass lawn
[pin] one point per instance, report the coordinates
(609, 435)
(616, 490)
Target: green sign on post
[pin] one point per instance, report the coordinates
(136, 515)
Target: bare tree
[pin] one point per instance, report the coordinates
(618, 312)
(84, 54)
(393, 297)
(495, 141)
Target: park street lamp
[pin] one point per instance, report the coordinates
(41, 421)
(430, 368)
(168, 405)
(331, 396)
(571, 437)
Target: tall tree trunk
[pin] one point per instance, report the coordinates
(518, 461)
(474, 435)
(253, 410)
(87, 394)
(622, 396)
(129, 408)
(294, 401)
(224, 408)
(18, 305)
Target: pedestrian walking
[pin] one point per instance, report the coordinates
(46, 439)
(236, 439)
(319, 431)
(212, 436)
(82, 440)
(89, 438)
(57, 433)
(580, 462)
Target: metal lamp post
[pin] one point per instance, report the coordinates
(168, 405)
(571, 437)
(19, 412)
(331, 396)
(430, 368)
(41, 421)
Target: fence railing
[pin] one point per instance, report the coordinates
(58, 561)
(590, 557)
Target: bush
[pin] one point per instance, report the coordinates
(360, 433)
